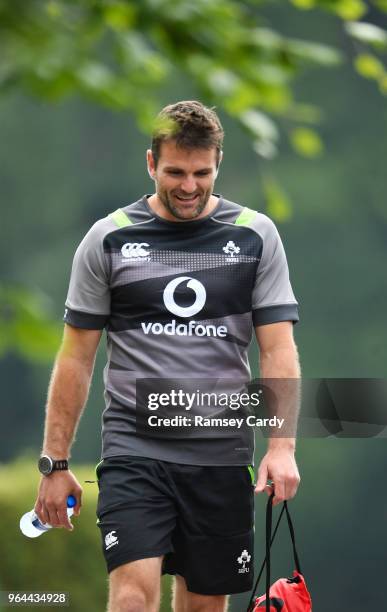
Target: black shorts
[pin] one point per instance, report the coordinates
(200, 518)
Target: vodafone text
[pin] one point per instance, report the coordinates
(184, 329)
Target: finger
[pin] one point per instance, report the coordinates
(37, 507)
(279, 492)
(293, 487)
(262, 479)
(42, 513)
(64, 519)
(53, 519)
(78, 506)
(269, 488)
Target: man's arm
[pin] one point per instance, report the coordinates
(279, 360)
(67, 395)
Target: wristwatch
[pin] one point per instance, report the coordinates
(46, 465)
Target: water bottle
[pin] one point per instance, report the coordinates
(31, 526)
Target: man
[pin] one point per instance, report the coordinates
(178, 279)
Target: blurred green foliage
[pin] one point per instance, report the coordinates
(25, 325)
(120, 52)
(33, 564)
(57, 560)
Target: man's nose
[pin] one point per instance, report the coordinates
(189, 184)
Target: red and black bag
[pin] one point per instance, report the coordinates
(287, 594)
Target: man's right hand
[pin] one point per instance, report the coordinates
(51, 503)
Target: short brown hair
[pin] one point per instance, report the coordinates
(191, 125)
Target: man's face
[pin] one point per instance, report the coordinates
(184, 180)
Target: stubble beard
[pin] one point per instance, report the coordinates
(181, 215)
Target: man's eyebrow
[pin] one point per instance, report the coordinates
(182, 170)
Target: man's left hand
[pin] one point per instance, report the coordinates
(279, 466)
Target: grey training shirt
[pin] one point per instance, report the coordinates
(179, 301)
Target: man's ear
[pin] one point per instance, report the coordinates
(150, 164)
(220, 159)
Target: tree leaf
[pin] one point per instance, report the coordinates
(223, 81)
(29, 330)
(54, 9)
(306, 142)
(314, 52)
(369, 66)
(350, 9)
(304, 4)
(95, 75)
(265, 148)
(383, 84)
(260, 125)
(266, 39)
(367, 33)
(244, 97)
(278, 205)
(304, 113)
(119, 16)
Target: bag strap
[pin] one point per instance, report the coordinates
(293, 538)
(269, 541)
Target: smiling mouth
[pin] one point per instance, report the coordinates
(187, 200)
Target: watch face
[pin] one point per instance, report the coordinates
(45, 465)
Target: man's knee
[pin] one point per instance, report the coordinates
(210, 603)
(128, 599)
(135, 587)
(185, 601)
(206, 603)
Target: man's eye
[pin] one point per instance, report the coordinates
(174, 172)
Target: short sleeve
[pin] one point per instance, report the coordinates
(273, 297)
(88, 297)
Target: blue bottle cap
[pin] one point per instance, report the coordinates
(71, 501)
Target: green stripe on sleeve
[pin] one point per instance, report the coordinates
(246, 216)
(120, 218)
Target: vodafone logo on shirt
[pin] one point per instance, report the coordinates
(185, 311)
(192, 328)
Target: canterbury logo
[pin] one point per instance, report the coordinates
(134, 249)
(110, 540)
(184, 311)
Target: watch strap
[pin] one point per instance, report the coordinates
(60, 464)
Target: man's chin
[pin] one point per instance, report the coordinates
(186, 213)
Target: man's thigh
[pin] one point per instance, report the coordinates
(135, 586)
(185, 601)
(136, 514)
(214, 538)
